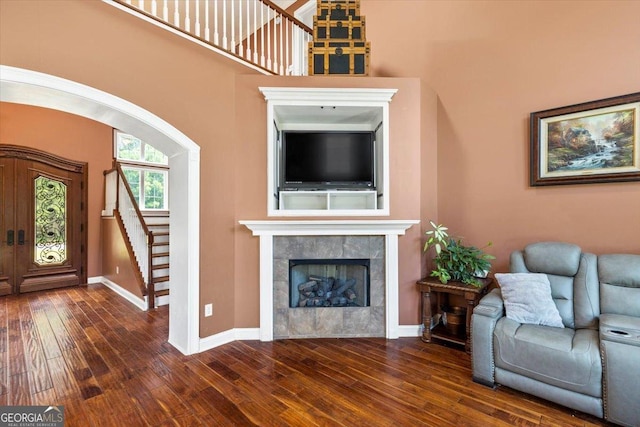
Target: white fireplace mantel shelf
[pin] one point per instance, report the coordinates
(391, 229)
(329, 227)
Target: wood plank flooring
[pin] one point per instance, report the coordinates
(109, 364)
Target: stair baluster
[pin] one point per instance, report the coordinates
(143, 244)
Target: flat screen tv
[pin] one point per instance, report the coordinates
(316, 160)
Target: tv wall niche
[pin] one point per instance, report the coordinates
(328, 151)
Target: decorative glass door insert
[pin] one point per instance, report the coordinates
(50, 221)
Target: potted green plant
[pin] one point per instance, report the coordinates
(455, 261)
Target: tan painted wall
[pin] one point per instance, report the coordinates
(198, 96)
(192, 88)
(71, 137)
(117, 266)
(482, 67)
(492, 63)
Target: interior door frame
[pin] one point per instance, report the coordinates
(33, 154)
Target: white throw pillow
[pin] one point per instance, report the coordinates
(527, 298)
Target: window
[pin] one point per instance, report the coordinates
(146, 170)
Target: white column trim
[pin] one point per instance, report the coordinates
(266, 287)
(391, 289)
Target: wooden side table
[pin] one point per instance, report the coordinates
(472, 295)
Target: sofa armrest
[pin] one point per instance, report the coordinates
(620, 328)
(491, 305)
(483, 322)
(620, 349)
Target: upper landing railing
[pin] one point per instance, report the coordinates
(255, 32)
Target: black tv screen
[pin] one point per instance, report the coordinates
(319, 160)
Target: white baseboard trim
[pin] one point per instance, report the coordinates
(409, 331)
(247, 333)
(242, 334)
(226, 337)
(133, 299)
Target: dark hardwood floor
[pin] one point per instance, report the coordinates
(109, 365)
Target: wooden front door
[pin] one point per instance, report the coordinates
(42, 220)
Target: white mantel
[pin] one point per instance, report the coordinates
(391, 229)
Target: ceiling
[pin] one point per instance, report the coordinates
(284, 4)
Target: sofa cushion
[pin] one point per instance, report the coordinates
(562, 259)
(564, 358)
(527, 299)
(577, 297)
(620, 270)
(619, 276)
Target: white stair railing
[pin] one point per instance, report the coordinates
(118, 197)
(136, 229)
(257, 32)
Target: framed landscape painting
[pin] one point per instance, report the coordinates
(593, 142)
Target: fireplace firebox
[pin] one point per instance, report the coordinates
(337, 256)
(329, 283)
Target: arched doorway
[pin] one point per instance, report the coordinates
(32, 88)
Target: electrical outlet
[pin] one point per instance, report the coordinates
(208, 310)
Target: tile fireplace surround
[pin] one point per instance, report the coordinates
(387, 314)
(328, 322)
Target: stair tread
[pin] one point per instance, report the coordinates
(160, 244)
(160, 266)
(163, 292)
(158, 224)
(160, 279)
(160, 254)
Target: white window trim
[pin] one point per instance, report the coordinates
(142, 166)
(141, 196)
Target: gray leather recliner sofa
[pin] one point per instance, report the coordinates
(593, 363)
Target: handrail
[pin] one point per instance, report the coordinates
(120, 202)
(123, 179)
(140, 237)
(257, 33)
(288, 15)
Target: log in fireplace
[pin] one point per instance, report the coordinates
(329, 282)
